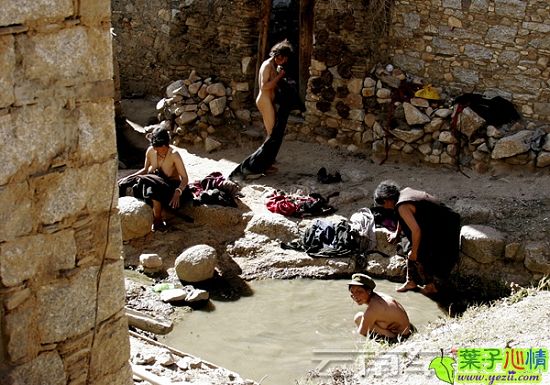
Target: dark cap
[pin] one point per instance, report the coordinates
(159, 137)
(362, 280)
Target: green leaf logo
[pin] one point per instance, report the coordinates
(443, 368)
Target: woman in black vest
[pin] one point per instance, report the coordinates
(432, 228)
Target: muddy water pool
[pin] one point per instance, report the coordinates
(286, 328)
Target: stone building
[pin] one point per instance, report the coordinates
(489, 47)
(62, 317)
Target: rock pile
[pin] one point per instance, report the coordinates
(194, 109)
(381, 112)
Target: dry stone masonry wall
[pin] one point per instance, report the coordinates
(495, 46)
(61, 288)
(160, 41)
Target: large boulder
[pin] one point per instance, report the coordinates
(196, 263)
(484, 244)
(274, 226)
(136, 218)
(537, 257)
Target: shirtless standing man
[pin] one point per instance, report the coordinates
(384, 316)
(270, 73)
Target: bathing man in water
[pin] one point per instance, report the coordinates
(384, 317)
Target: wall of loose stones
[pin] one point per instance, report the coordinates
(158, 42)
(347, 44)
(61, 287)
(491, 47)
(500, 46)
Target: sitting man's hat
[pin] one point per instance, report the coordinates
(362, 280)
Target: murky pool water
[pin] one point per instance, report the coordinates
(285, 328)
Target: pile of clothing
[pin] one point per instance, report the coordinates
(300, 206)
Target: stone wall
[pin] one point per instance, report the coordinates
(496, 46)
(61, 287)
(160, 41)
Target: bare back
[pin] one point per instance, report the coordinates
(385, 316)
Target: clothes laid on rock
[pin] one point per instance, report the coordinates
(214, 189)
(288, 99)
(153, 187)
(296, 205)
(346, 238)
(363, 224)
(440, 226)
(326, 239)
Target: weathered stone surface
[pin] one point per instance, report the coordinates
(20, 326)
(58, 197)
(408, 136)
(41, 146)
(420, 102)
(96, 137)
(7, 63)
(43, 57)
(28, 10)
(243, 115)
(466, 76)
(472, 212)
(186, 117)
(501, 34)
(510, 8)
(413, 116)
(112, 349)
(446, 137)
(95, 12)
(45, 369)
(136, 217)
(194, 87)
(150, 261)
(274, 226)
(383, 93)
(386, 267)
(497, 272)
(18, 220)
(469, 122)
(217, 106)
(515, 144)
(173, 87)
(355, 85)
(485, 244)
(173, 295)
(537, 257)
(543, 159)
(211, 144)
(23, 259)
(513, 252)
(196, 263)
(216, 89)
(112, 294)
(67, 309)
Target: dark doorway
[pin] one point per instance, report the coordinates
(292, 20)
(284, 24)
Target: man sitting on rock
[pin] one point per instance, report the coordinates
(384, 317)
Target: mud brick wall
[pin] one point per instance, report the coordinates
(61, 284)
(160, 41)
(500, 46)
